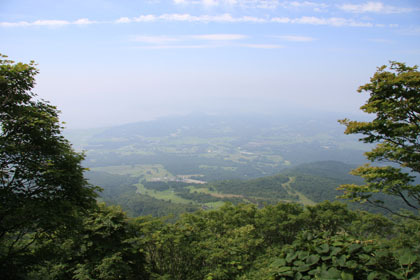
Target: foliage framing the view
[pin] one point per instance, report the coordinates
(41, 178)
(395, 100)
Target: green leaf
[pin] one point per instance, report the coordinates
(303, 268)
(335, 251)
(286, 273)
(341, 261)
(303, 255)
(364, 258)
(351, 264)
(346, 276)
(315, 271)
(407, 258)
(372, 261)
(312, 259)
(367, 248)
(291, 256)
(324, 248)
(354, 247)
(278, 262)
(298, 263)
(396, 275)
(381, 253)
(372, 275)
(284, 269)
(331, 274)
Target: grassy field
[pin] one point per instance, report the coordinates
(170, 195)
(167, 195)
(145, 171)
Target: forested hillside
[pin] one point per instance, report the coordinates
(306, 184)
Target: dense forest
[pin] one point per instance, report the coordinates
(52, 225)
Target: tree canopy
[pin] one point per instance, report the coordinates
(42, 187)
(395, 101)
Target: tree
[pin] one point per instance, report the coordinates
(42, 188)
(108, 246)
(395, 100)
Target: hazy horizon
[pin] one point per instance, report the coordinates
(280, 116)
(106, 63)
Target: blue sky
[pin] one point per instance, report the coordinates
(111, 62)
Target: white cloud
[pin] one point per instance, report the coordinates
(83, 21)
(14, 24)
(50, 23)
(155, 39)
(209, 18)
(316, 6)
(167, 40)
(252, 4)
(294, 38)
(160, 47)
(251, 19)
(281, 20)
(145, 18)
(223, 18)
(334, 21)
(312, 20)
(141, 18)
(210, 3)
(123, 20)
(178, 17)
(373, 7)
(206, 46)
(262, 46)
(219, 37)
(264, 4)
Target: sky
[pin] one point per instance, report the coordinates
(109, 62)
